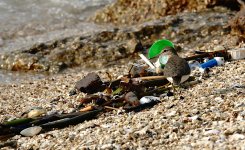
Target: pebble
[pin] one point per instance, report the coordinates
(219, 99)
(172, 113)
(132, 99)
(236, 137)
(31, 131)
(36, 112)
(211, 132)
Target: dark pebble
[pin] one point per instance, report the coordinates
(170, 94)
(73, 92)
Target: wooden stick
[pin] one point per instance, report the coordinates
(113, 108)
(149, 78)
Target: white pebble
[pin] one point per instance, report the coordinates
(211, 132)
(31, 131)
(236, 137)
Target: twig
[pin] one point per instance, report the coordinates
(113, 108)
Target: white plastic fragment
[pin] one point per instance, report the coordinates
(148, 99)
(237, 53)
(147, 61)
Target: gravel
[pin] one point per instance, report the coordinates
(208, 115)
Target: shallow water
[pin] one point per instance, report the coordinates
(16, 12)
(26, 22)
(26, 18)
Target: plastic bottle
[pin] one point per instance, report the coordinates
(217, 61)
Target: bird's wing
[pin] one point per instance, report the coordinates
(176, 66)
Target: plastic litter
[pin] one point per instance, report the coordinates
(217, 61)
(237, 54)
(158, 46)
(148, 99)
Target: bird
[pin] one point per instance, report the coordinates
(176, 69)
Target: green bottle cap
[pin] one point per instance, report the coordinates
(158, 46)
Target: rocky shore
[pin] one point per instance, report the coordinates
(209, 115)
(110, 43)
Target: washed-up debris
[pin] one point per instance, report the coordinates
(202, 54)
(46, 123)
(88, 108)
(19, 121)
(71, 121)
(89, 84)
(148, 99)
(216, 61)
(131, 92)
(12, 144)
(237, 53)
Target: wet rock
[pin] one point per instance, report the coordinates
(31, 131)
(89, 84)
(237, 24)
(134, 46)
(132, 12)
(107, 47)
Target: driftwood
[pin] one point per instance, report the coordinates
(49, 122)
(220, 53)
(12, 144)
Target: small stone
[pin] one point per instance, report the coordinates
(132, 99)
(193, 118)
(89, 84)
(181, 97)
(73, 92)
(172, 113)
(219, 99)
(170, 94)
(31, 131)
(211, 132)
(36, 112)
(236, 137)
(219, 47)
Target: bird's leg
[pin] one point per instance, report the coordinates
(174, 91)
